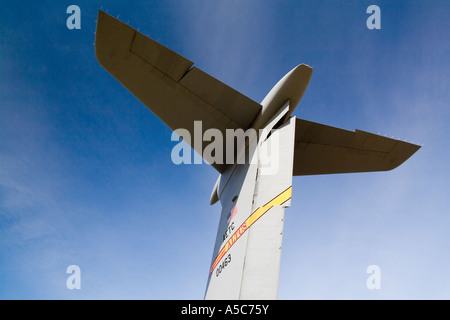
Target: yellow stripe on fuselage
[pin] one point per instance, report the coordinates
(258, 213)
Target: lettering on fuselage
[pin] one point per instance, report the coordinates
(228, 231)
(222, 265)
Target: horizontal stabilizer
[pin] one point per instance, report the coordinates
(321, 149)
(168, 84)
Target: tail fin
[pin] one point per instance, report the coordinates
(246, 259)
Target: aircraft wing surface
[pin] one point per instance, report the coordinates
(321, 149)
(168, 84)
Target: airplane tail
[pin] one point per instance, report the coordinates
(253, 193)
(246, 259)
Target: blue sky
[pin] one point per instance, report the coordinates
(86, 176)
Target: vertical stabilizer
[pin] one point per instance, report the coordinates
(246, 259)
